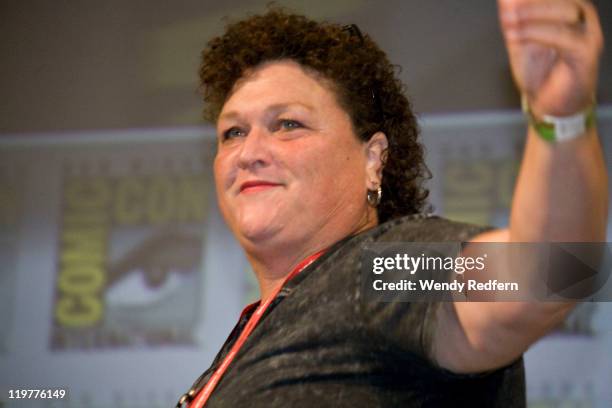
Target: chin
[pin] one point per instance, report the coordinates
(256, 229)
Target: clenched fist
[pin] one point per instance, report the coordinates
(554, 48)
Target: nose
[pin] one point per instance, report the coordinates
(254, 150)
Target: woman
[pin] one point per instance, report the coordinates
(318, 156)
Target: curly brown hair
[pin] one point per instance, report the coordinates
(362, 77)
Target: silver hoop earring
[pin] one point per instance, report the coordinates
(374, 197)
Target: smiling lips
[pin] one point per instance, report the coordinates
(256, 186)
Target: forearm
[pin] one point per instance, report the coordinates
(561, 193)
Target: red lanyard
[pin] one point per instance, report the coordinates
(202, 397)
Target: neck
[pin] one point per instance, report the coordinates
(271, 271)
(273, 262)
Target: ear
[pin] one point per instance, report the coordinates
(376, 151)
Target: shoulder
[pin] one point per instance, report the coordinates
(426, 228)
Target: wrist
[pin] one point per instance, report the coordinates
(555, 129)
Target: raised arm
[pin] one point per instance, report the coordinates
(554, 49)
(561, 194)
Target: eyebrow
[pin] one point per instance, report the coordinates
(276, 108)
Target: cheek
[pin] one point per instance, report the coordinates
(220, 172)
(337, 175)
(222, 175)
(218, 175)
(347, 166)
(222, 169)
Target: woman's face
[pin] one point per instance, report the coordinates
(290, 171)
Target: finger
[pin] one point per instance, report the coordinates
(587, 37)
(561, 37)
(553, 11)
(592, 24)
(578, 14)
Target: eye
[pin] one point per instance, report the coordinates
(233, 132)
(289, 124)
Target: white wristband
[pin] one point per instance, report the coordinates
(568, 127)
(560, 129)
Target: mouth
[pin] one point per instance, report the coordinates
(255, 186)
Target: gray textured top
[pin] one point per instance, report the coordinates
(321, 344)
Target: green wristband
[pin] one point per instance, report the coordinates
(559, 129)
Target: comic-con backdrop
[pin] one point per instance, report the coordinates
(119, 280)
